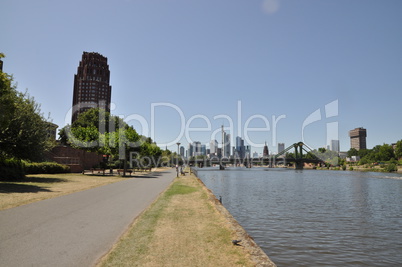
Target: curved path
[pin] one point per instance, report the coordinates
(76, 229)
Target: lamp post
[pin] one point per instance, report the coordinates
(177, 165)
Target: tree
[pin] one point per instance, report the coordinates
(353, 152)
(98, 131)
(398, 149)
(23, 129)
(386, 153)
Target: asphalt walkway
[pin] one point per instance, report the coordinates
(76, 229)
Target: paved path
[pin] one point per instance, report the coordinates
(76, 229)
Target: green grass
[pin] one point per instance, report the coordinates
(179, 189)
(178, 229)
(145, 227)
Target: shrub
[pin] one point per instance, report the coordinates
(391, 167)
(11, 169)
(350, 168)
(45, 168)
(344, 167)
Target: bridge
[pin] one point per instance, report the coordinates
(301, 154)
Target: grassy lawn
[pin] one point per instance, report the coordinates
(43, 186)
(182, 228)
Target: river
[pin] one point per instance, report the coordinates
(315, 217)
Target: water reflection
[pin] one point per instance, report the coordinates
(316, 218)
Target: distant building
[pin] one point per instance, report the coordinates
(265, 151)
(247, 151)
(51, 130)
(190, 151)
(197, 149)
(225, 144)
(281, 147)
(213, 147)
(358, 138)
(240, 149)
(203, 150)
(334, 146)
(255, 154)
(91, 84)
(182, 151)
(353, 159)
(219, 152)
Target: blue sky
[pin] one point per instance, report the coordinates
(178, 65)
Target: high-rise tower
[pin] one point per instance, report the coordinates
(91, 84)
(358, 138)
(265, 151)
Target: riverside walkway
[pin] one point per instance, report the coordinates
(76, 229)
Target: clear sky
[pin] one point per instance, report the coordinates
(294, 69)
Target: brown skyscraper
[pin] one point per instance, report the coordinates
(265, 151)
(91, 84)
(358, 138)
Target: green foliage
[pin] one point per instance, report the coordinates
(11, 169)
(391, 167)
(45, 168)
(23, 130)
(398, 149)
(344, 167)
(379, 153)
(98, 131)
(353, 152)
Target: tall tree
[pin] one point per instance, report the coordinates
(23, 129)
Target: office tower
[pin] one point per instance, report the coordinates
(358, 138)
(227, 149)
(225, 144)
(91, 84)
(203, 150)
(281, 147)
(197, 149)
(182, 151)
(247, 151)
(334, 146)
(213, 147)
(240, 149)
(190, 151)
(265, 151)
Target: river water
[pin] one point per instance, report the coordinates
(315, 217)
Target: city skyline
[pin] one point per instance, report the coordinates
(282, 65)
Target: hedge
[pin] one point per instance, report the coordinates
(11, 169)
(45, 168)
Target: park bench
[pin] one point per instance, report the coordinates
(143, 169)
(122, 171)
(98, 170)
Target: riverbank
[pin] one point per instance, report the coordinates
(185, 226)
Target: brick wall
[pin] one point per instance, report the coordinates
(77, 159)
